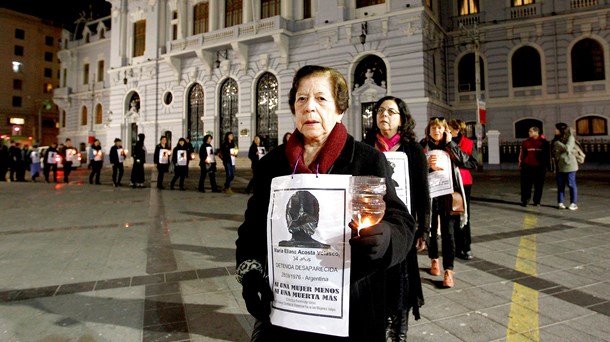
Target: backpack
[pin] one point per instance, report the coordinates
(579, 153)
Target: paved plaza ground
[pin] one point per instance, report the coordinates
(85, 262)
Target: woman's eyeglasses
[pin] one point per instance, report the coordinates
(390, 111)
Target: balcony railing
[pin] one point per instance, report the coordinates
(238, 32)
(575, 4)
(467, 20)
(525, 11)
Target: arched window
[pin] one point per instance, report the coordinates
(370, 68)
(266, 105)
(99, 116)
(228, 108)
(587, 61)
(522, 127)
(526, 68)
(195, 112)
(466, 74)
(592, 125)
(83, 116)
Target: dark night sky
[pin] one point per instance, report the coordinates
(63, 12)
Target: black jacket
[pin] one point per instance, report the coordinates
(368, 279)
(114, 155)
(160, 167)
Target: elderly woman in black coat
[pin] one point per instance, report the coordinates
(321, 144)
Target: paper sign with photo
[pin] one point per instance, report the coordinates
(69, 155)
(181, 157)
(441, 181)
(163, 156)
(51, 158)
(309, 253)
(210, 158)
(400, 166)
(98, 156)
(261, 151)
(119, 151)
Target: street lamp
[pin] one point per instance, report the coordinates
(365, 31)
(46, 105)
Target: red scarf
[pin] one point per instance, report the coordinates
(384, 144)
(326, 158)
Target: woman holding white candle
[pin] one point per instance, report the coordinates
(96, 159)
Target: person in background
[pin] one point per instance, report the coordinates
(96, 161)
(393, 131)
(438, 137)
(463, 239)
(34, 158)
(68, 153)
(255, 153)
(50, 162)
(139, 158)
(180, 157)
(534, 159)
(190, 153)
(566, 165)
(161, 160)
(286, 137)
(207, 163)
(117, 157)
(15, 160)
(228, 153)
(319, 97)
(4, 161)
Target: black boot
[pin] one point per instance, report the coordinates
(396, 327)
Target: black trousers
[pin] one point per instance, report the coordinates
(463, 239)
(47, 169)
(179, 174)
(117, 173)
(202, 176)
(96, 170)
(67, 170)
(532, 175)
(449, 224)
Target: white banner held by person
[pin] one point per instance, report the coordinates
(309, 253)
(441, 181)
(400, 164)
(163, 156)
(182, 157)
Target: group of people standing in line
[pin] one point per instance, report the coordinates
(537, 156)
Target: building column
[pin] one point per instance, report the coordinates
(214, 14)
(247, 11)
(493, 147)
(286, 9)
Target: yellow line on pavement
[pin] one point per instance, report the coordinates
(523, 316)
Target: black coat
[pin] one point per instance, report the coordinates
(113, 155)
(160, 167)
(368, 279)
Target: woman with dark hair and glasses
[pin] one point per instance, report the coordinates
(566, 165)
(438, 137)
(393, 131)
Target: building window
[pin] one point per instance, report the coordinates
(99, 114)
(48, 88)
(467, 7)
(526, 68)
(17, 67)
(200, 18)
(370, 69)
(48, 40)
(517, 3)
(587, 61)
(18, 50)
(64, 77)
(16, 101)
(466, 74)
(306, 9)
(195, 108)
(19, 34)
(102, 34)
(522, 127)
(17, 84)
(86, 73)
(266, 106)
(83, 116)
(48, 72)
(429, 4)
(591, 125)
(233, 12)
(63, 118)
(48, 56)
(100, 71)
(228, 108)
(364, 3)
(270, 8)
(139, 38)
(174, 25)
